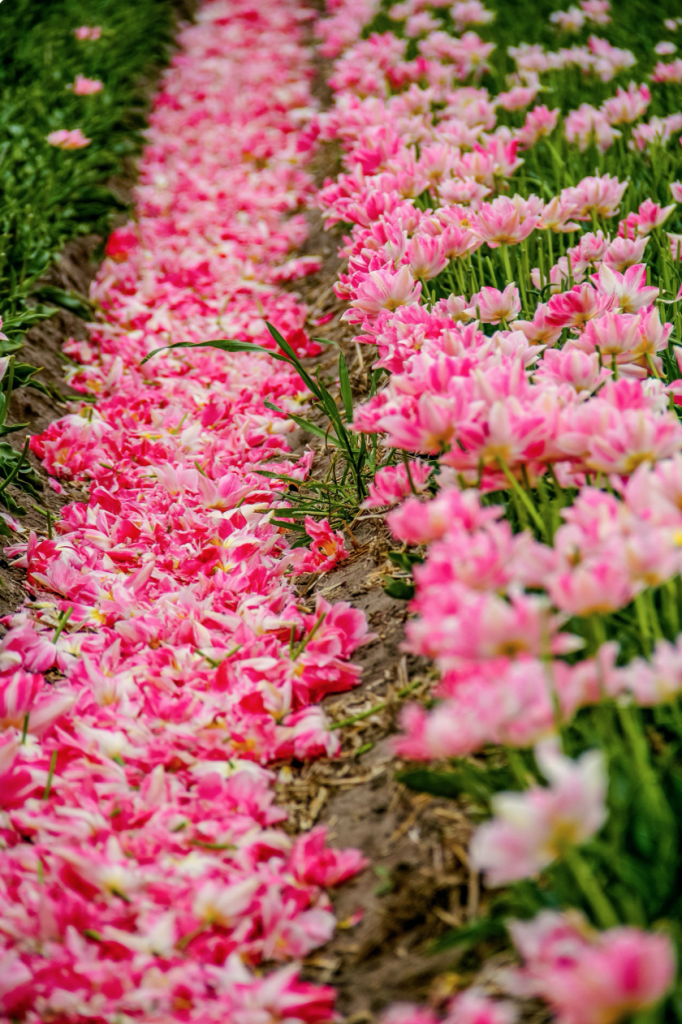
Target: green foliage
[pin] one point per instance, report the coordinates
(353, 461)
(636, 25)
(48, 195)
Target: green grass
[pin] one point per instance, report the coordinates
(48, 195)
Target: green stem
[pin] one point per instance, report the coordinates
(643, 620)
(15, 471)
(523, 495)
(631, 725)
(61, 624)
(8, 395)
(504, 252)
(591, 889)
(373, 710)
(50, 775)
(306, 639)
(409, 474)
(669, 605)
(517, 766)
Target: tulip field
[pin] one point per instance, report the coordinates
(363, 503)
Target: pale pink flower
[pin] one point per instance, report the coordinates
(653, 335)
(599, 194)
(491, 306)
(571, 366)
(392, 484)
(519, 97)
(624, 252)
(529, 57)
(91, 32)
(629, 290)
(571, 20)
(671, 72)
(596, 11)
(425, 257)
(658, 680)
(676, 190)
(638, 437)
(470, 12)
(657, 131)
(532, 828)
(588, 125)
(421, 522)
(507, 221)
(649, 216)
(540, 121)
(613, 334)
(383, 289)
(83, 86)
(665, 48)
(466, 191)
(473, 1007)
(457, 241)
(627, 105)
(557, 213)
(538, 330)
(68, 139)
(420, 24)
(589, 977)
(609, 60)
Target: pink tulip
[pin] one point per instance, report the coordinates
(492, 306)
(383, 290)
(532, 828)
(65, 139)
(671, 72)
(576, 307)
(629, 290)
(588, 125)
(393, 483)
(589, 977)
(540, 121)
(86, 86)
(425, 256)
(88, 32)
(627, 105)
(507, 221)
(599, 194)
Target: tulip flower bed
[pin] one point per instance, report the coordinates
(514, 269)
(516, 264)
